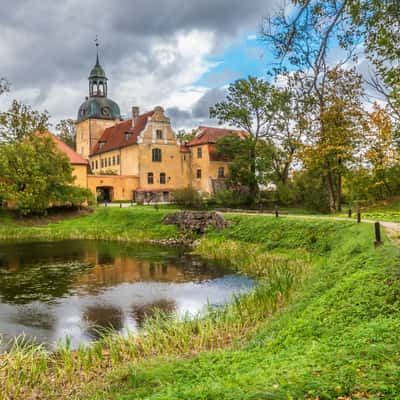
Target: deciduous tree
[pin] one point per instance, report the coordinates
(251, 105)
(20, 121)
(336, 133)
(67, 132)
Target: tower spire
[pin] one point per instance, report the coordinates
(97, 49)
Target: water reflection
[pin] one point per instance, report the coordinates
(81, 288)
(143, 311)
(101, 318)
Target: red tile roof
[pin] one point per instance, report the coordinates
(115, 138)
(73, 156)
(210, 135)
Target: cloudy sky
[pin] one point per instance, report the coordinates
(176, 53)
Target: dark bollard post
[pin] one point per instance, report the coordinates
(378, 240)
(350, 212)
(120, 205)
(358, 215)
(276, 212)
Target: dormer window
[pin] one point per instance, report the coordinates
(159, 134)
(101, 145)
(128, 135)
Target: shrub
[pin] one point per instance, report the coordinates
(188, 198)
(74, 196)
(228, 198)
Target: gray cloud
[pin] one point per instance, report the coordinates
(202, 107)
(199, 114)
(48, 45)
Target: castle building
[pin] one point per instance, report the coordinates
(140, 158)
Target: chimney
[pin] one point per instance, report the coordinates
(135, 114)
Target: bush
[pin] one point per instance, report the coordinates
(188, 198)
(311, 190)
(228, 198)
(74, 196)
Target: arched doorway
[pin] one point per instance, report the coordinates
(104, 193)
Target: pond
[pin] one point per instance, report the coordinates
(53, 290)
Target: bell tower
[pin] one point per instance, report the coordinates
(97, 113)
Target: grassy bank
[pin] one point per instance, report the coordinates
(324, 320)
(337, 338)
(134, 224)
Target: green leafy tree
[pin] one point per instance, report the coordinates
(67, 132)
(250, 105)
(337, 130)
(20, 122)
(184, 136)
(239, 151)
(33, 174)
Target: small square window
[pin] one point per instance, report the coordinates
(198, 174)
(159, 134)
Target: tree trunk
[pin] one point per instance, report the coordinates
(331, 193)
(339, 192)
(253, 187)
(339, 185)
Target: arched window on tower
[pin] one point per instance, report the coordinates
(101, 89)
(94, 89)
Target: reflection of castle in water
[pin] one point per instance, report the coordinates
(43, 271)
(84, 289)
(109, 270)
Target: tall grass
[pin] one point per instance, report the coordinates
(29, 371)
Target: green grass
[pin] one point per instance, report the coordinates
(339, 336)
(323, 323)
(134, 224)
(388, 210)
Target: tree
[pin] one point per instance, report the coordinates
(381, 152)
(184, 136)
(239, 150)
(336, 132)
(67, 132)
(305, 34)
(21, 122)
(33, 173)
(289, 125)
(250, 105)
